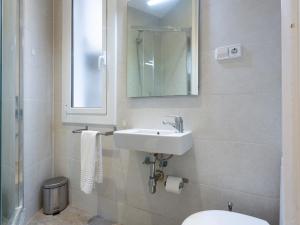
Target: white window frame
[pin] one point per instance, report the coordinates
(100, 116)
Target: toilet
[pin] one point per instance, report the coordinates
(218, 217)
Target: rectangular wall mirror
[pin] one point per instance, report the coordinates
(162, 51)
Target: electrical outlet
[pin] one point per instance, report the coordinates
(235, 51)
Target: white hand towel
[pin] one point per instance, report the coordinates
(91, 161)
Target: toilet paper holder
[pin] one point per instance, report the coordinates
(184, 181)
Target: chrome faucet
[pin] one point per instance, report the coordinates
(177, 124)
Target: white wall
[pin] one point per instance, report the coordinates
(38, 71)
(235, 122)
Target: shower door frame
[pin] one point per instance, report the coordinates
(18, 215)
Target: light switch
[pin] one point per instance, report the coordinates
(221, 53)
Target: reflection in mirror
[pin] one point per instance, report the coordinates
(162, 53)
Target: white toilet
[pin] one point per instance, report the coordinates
(217, 217)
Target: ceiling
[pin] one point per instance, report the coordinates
(158, 10)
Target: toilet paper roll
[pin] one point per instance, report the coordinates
(174, 184)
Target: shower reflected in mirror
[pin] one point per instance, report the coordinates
(162, 57)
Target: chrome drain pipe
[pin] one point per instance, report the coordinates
(151, 161)
(152, 179)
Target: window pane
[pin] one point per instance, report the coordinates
(88, 71)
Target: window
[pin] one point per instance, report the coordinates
(88, 92)
(88, 58)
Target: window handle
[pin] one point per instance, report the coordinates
(102, 61)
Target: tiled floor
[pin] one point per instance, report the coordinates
(70, 216)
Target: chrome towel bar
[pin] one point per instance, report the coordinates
(104, 133)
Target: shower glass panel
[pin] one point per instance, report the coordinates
(11, 163)
(161, 58)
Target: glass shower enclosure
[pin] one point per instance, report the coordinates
(11, 114)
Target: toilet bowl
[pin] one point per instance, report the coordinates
(217, 217)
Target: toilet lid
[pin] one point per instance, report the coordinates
(216, 217)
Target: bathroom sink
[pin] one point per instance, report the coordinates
(154, 141)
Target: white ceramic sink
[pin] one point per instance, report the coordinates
(154, 141)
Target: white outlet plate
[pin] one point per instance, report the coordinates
(235, 51)
(221, 53)
(228, 52)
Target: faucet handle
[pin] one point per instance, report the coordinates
(174, 116)
(177, 118)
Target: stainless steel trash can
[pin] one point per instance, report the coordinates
(55, 195)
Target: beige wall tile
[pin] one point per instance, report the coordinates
(235, 123)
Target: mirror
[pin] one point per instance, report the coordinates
(162, 51)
